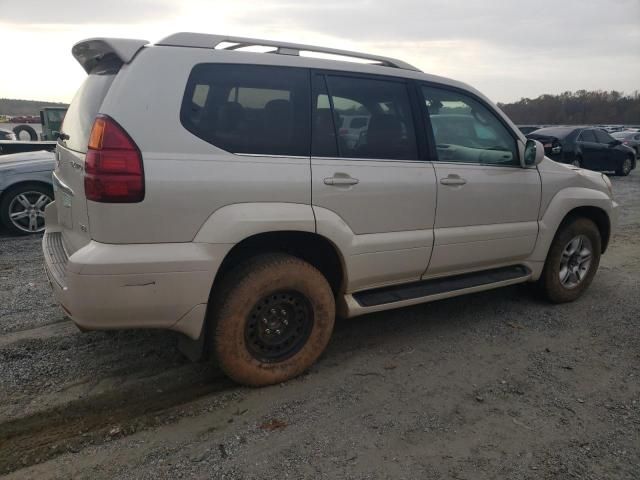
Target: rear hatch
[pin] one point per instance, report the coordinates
(102, 58)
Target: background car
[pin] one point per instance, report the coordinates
(586, 147)
(7, 134)
(25, 189)
(630, 138)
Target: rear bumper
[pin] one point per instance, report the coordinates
(104, 286)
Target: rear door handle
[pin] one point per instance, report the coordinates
(341, 181)
(453, 180)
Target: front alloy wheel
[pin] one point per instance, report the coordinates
(626, 167)
(575, 261)
(572, 260)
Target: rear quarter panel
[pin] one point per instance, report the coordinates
(186, 178)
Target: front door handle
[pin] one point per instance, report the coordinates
(341, 181)
(453, 180)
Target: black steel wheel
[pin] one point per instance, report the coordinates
(278, 326)
(271, 317)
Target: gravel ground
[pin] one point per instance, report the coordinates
(494, 385)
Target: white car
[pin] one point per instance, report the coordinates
(203, 188)
(25, 190)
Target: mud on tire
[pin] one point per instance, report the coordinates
(265, 293)
(550, 284)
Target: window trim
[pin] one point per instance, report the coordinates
(429, 128)
(407, 82)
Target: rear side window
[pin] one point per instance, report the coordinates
(603, 137)
(362, 118)
(84, 108)
(249, 108)
(587, 136)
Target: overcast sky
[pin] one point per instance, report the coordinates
(506, 48)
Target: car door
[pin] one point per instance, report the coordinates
(375, 197)
(488, 203)
(593, 153)
(615, 154)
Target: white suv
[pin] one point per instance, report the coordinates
(206, 189)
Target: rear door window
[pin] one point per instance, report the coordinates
(603, 137)
(249, 108)
(587, 136)
(363, 118)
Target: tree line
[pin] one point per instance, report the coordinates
(581, 107)
(14, 107)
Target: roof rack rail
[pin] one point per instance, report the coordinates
(203, 40)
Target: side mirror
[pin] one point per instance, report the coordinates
(533, 152)
(615, 143)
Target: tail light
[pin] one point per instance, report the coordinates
(113, 165)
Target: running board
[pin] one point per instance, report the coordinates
(427, 288)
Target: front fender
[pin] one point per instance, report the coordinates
(561, 205)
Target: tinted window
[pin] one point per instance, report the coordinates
(603, 137)
(324, 139)
(375, 118)
(249, 108)
(84, 107)
(467, 131)
(588, 136)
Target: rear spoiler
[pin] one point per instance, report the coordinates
(89, 52)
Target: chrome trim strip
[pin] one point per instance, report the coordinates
(63, 186)
(362, 159)
(270, 155)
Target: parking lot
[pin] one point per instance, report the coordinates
(494, 385)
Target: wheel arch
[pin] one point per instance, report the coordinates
(596, 215)
(308, 246)
(570, 203)
(12, 186)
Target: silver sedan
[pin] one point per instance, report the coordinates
(25, 189)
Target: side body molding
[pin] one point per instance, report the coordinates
(233, 223)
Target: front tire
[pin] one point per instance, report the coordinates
(625, 167)
(572, 261)
(271, 319)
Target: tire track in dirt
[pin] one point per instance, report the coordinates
(94, 420)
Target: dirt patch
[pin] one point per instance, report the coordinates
(69, 428)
